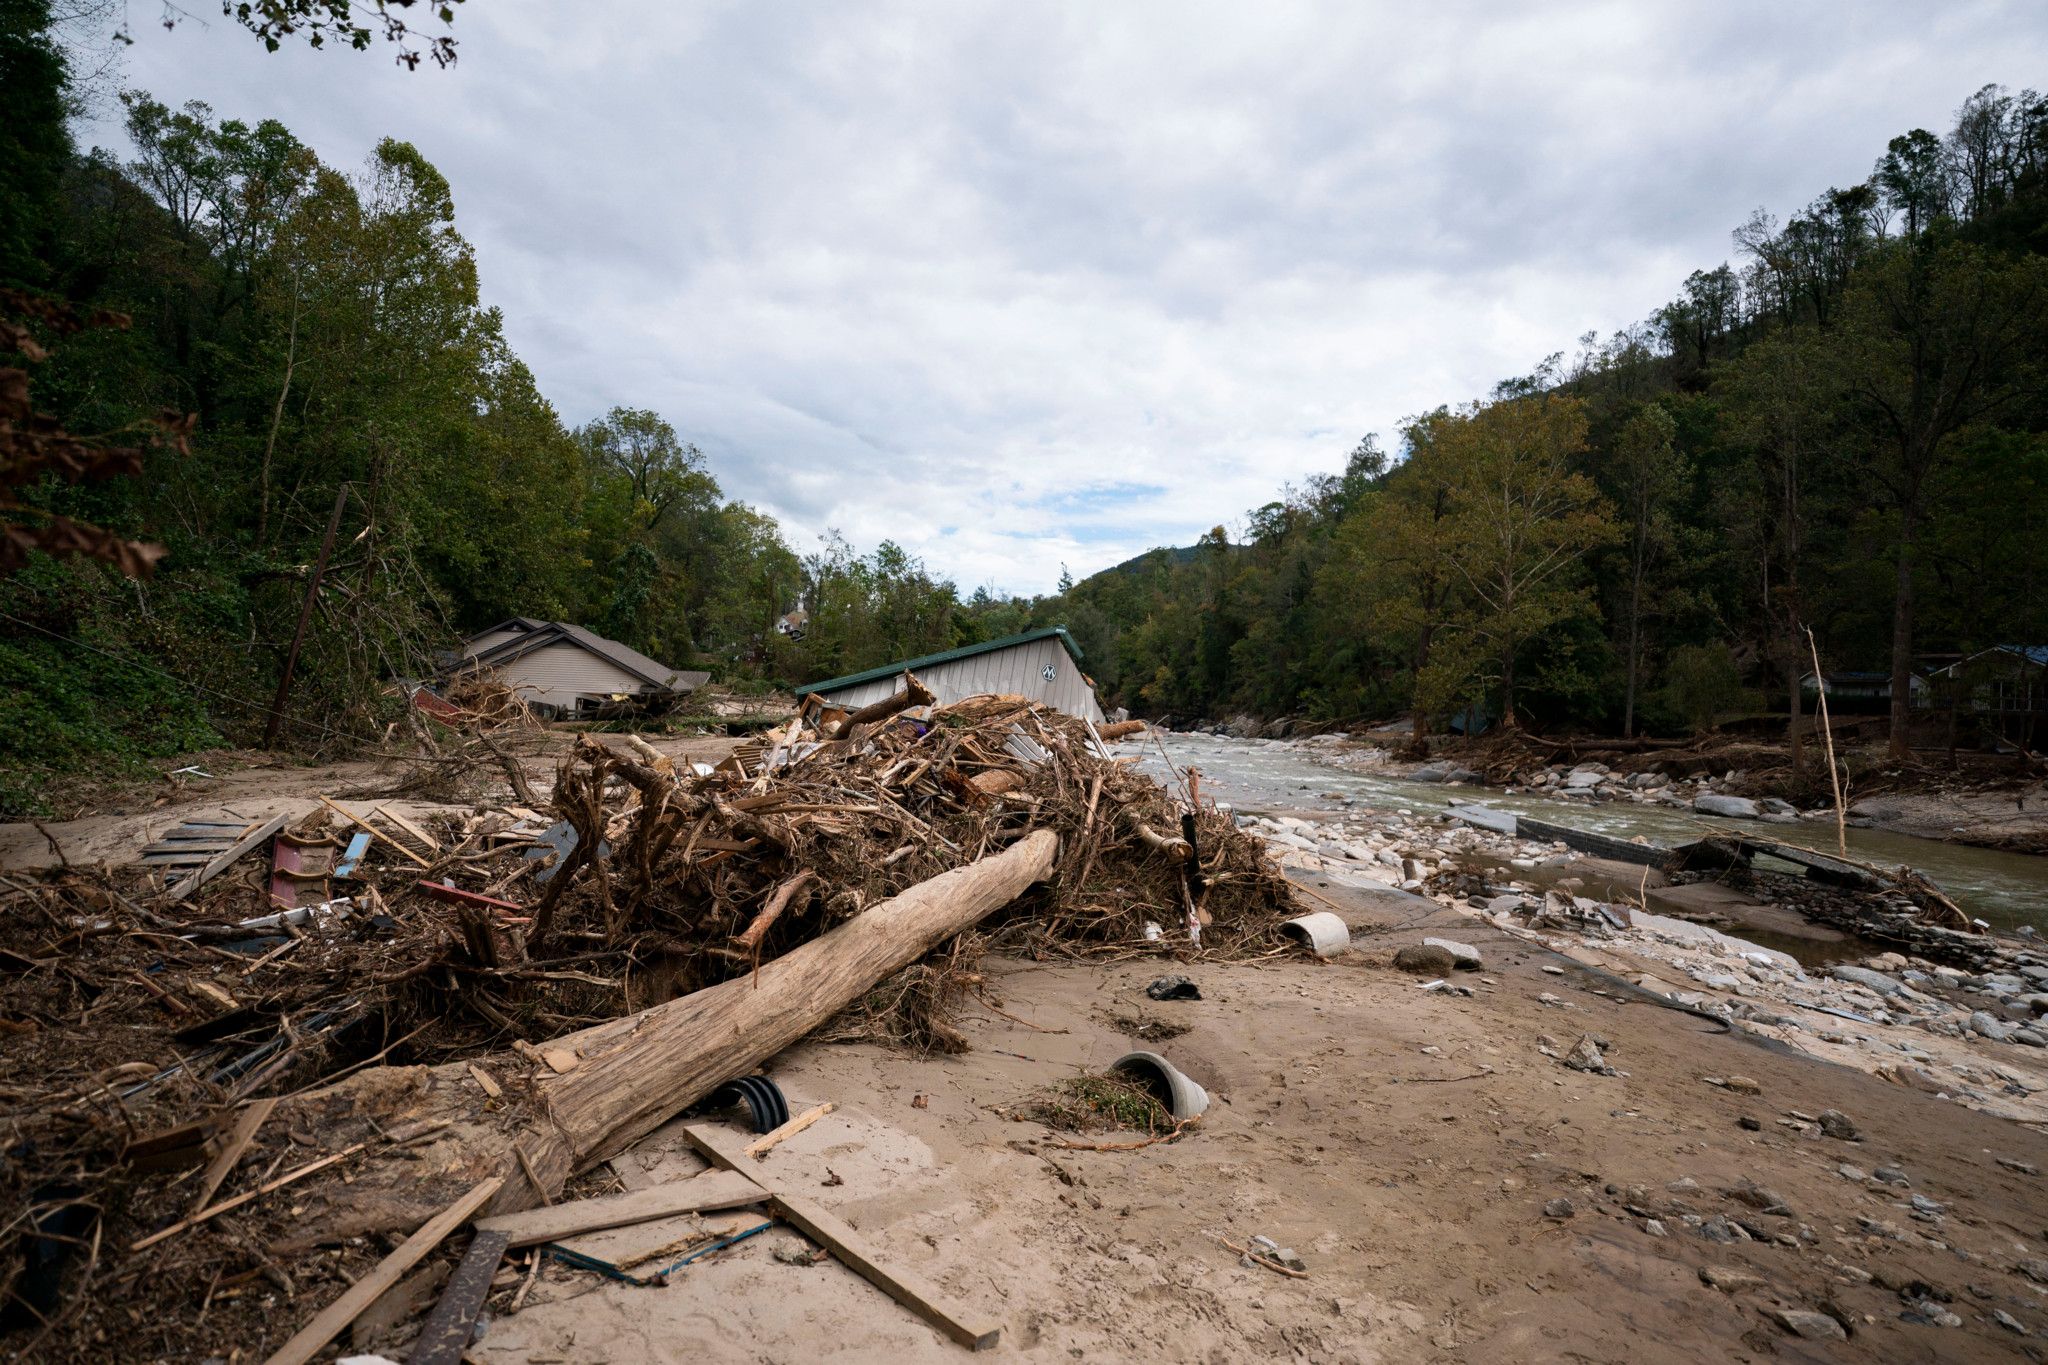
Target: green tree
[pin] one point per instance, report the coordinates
(1933, 339)
(1651, 475)
(1520, 521)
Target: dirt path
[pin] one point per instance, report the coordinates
(1405, 1143)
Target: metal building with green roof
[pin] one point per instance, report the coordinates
(1044, 665)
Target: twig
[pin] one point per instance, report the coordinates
(1256, 1259)
(1178, 1129)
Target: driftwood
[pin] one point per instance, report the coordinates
(625, 1078)
(1120, 729)
(914, 693)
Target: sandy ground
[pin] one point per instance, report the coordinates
(1404, 1143)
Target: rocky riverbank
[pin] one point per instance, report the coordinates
(1967, 1033)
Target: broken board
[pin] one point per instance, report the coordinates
(207, 863)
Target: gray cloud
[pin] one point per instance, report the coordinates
(1024, 285)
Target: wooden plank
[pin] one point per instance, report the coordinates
(398, 1305)
(700, 1194)
(761, 1145)
(851, 1248)
(449, 1327)
(409, 827)
(329, 1322)
(177, 859)
(238, 1140)
(359, 822)
(628, 1246)
(246, 844)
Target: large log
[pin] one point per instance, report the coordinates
(621, 1080)
(634, 1074)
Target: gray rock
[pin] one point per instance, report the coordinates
(1777, 806)
(2009, 1322)
(1464, 954)
(2023, 1167)
(1848, 1172)
(1892, 1175)
(1585, 1056)
(1429, 774)
(1732, 807)
(1654, 1228)
(1559, 1208)
(1812, 1326)
(1869, 980)
(1984, 1026)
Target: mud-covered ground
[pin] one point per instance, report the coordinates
(1411, 1146)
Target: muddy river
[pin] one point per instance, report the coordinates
(2007, 889)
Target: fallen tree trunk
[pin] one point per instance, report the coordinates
(914, 693)
(635, 1074)
(1118, 729)
(627, 1077)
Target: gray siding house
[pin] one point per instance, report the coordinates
(1044, 665)
(566, 669)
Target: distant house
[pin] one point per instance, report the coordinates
(1854, 690)
(1044, 665)
(793, 624)
(2005, 679)
(567, 670)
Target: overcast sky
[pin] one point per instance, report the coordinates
(1025, 285)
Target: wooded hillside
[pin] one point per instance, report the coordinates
(324, 328)
(1844, 430)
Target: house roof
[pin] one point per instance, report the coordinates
(2033, 654)
(540, 634)
(945, 657)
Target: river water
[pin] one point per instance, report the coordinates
(2007, 889)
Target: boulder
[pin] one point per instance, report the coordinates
(1869, 980)
(1425, 959)
(1463, 954)
(1731, 807)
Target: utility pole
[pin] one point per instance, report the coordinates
(291, 658)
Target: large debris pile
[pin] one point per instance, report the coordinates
(137, 1024)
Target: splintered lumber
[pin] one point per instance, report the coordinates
(449, 1327)
(330, 1322)
(763, 1144)
(852, 1249)
(433, 845)
(914, 693)
(220, 862)
(359, 822)
(638, 1072)
(238, 1140)
(706, 1193)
